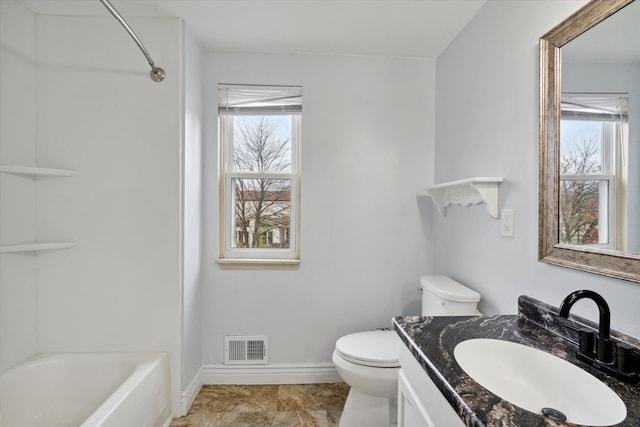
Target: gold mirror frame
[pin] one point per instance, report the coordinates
(600, 261)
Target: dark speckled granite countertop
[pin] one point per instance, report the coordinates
(432, 340)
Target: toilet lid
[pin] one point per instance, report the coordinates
(371, 348)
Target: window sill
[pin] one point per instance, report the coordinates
(257, 264)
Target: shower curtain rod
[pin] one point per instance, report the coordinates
(157, 73)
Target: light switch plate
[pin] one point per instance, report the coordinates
(507, 222)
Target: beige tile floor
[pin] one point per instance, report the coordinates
(295, 405)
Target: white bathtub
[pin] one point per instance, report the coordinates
(87, 390)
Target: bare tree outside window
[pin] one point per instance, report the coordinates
(262, 205)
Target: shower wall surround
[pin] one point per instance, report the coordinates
(78, 96)
(18, 290)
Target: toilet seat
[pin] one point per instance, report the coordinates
(371, 348)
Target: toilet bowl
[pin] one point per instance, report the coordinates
(368, 361)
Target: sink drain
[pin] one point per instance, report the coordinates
(554, 414)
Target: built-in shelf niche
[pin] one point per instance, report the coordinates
(466, 192)
(34, 171)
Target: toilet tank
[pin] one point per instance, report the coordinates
(442, 296)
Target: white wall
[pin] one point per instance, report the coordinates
(367, 144)
(18, 290)
(487, 125)
(98, 112)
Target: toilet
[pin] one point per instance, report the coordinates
(368, 361)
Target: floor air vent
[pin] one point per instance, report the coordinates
(245, 350)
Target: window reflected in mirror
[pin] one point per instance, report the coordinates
(593, 169)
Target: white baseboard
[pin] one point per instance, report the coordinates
(293, 373)
(189, 394)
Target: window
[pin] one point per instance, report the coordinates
(259, 132)
(593, 140)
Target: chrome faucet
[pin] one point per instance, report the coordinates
(604, 347)
(626, 364)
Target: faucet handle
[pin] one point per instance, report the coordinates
(586, 341)
(626, 358)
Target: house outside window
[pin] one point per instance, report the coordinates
(259, 133)
(593, 133)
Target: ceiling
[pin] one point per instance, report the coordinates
(411, 28)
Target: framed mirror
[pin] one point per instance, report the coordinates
(589, 207)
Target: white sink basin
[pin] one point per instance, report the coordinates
(532, 379)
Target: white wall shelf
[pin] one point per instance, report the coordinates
(35, 171)
(36, 246)
(466, 192)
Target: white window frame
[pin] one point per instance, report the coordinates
(612, 135)
(256, 257)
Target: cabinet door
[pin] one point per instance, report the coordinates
(411, 413)
(431, 403)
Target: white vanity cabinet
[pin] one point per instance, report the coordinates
(420, 402)
(411, 412)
